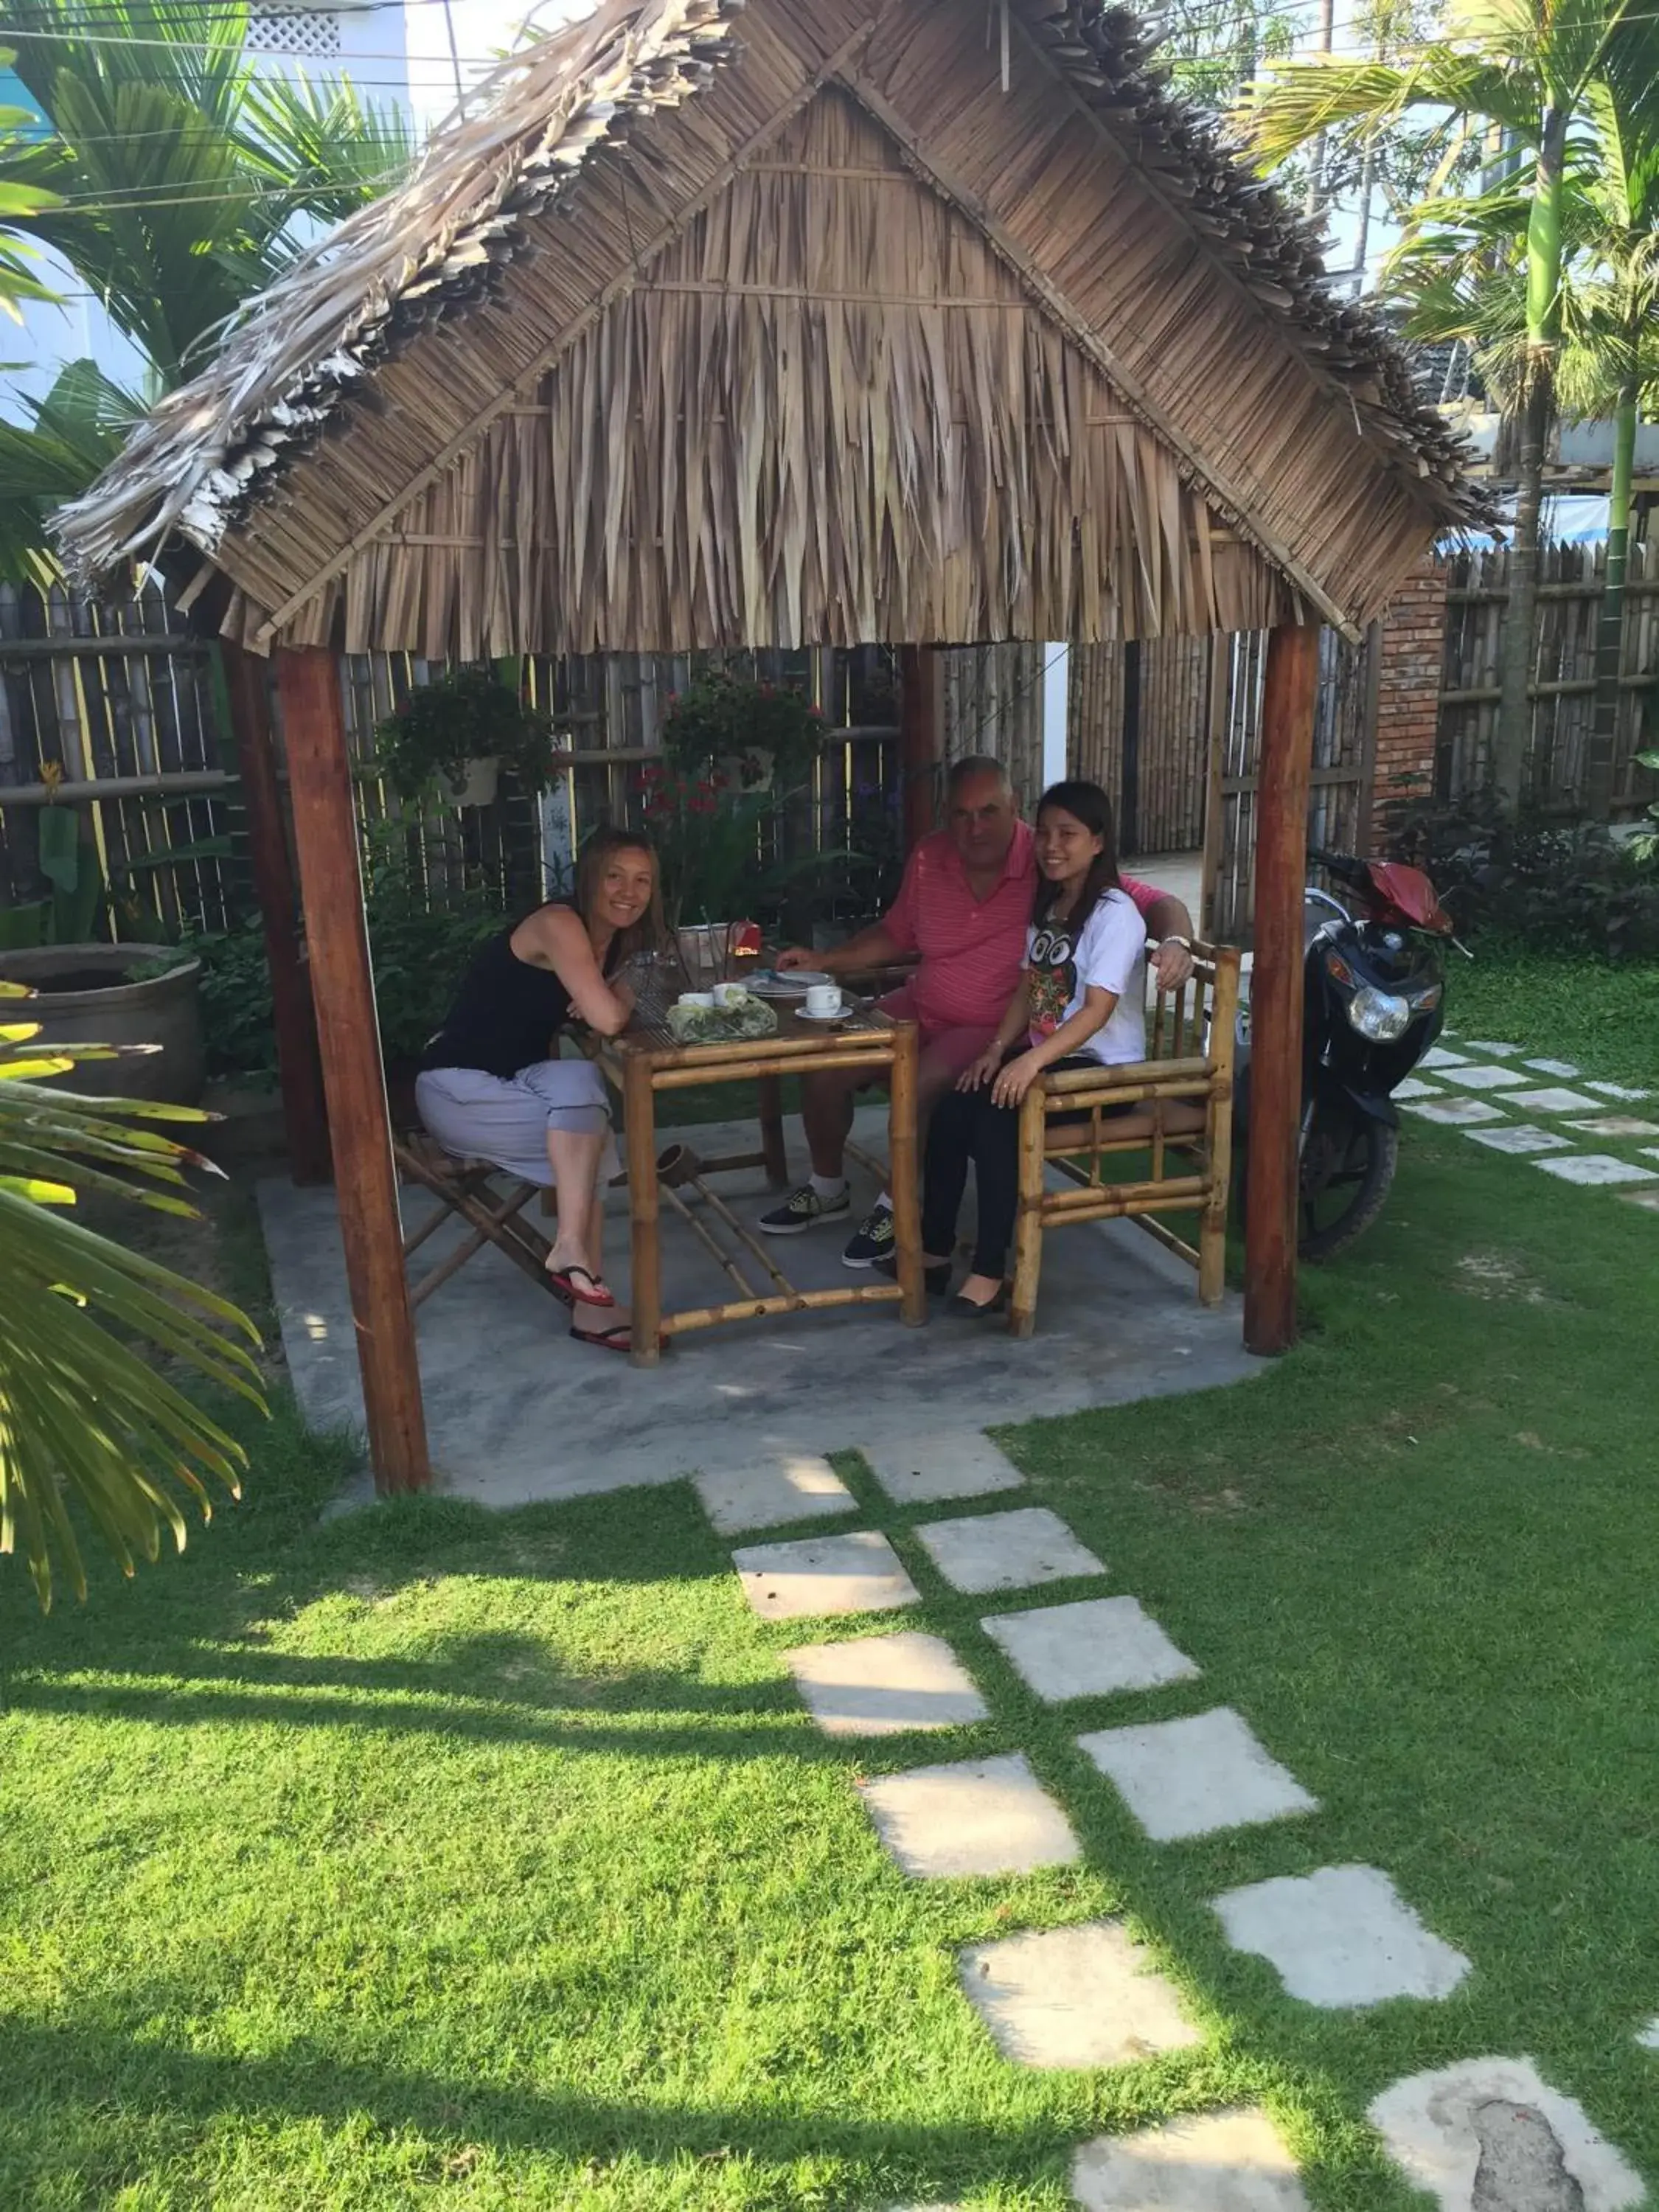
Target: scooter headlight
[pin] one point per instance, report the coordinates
(1379, 1015)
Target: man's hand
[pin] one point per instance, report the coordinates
(1172, 964)
(980, 1072)
(798, 955)
(1015, 1080)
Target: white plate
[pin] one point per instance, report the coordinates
(789, 987)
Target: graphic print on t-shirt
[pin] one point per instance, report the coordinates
(1054, 976)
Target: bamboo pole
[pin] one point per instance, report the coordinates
(326, 833)
(640, 1112)
(723, 1259)
(1213, 1227)
(1289, 697)
(902, 1177)
(1029, 1218)
(692, 1317)
(299, 1072)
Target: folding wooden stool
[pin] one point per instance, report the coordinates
(466, 1187)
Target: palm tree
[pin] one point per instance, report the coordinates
(19, 280)
(1531, 70)
(83, 1414)
(178, 183)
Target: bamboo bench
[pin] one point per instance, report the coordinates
(1181, 1102)
(466, 1189)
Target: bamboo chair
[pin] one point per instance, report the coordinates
(466, 1189)
(1182, 1102)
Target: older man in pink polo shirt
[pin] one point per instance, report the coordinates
(963, 907)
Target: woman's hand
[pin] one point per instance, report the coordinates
(1015, 1080)
(979, 1072)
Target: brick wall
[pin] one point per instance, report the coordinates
(1413, 654)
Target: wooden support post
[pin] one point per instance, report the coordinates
(1289, 696)
(903, 1179)
(921, 733)
(299, 1072)
(644, 1267)
(1028, 1222)
(353, 1079)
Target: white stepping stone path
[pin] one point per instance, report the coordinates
(1409, 1087)
(824, 1576)
(1617, 1125)
(1648, 2037)
(886, 1686)
(1490, 2132)
(1454, 1113)
(1521, 1137)
(1629, 1093)
(1233, 2161)
(1195, 1777)
(1074, 1998)
(940, 1462)
(1484, 1079)
(1648, 1198)
(1006, 1551)
(1563, 1069)
(1601, 1167)
(1437, 1056)
(1341, 1937)
(766, 1493)
(1550, 1099)
(1491, 1049)
(1092, 1650)
(977, 1816)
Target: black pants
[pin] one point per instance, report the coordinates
(967, 1126)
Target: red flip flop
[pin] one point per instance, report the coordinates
(565, 1282)
(620, 1339)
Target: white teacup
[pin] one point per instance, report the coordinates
(823, 999)
(728, 994)
(696, 998)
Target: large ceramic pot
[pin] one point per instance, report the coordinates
(83, 996)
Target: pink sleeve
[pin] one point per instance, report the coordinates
(1146, 895)
(900, 919)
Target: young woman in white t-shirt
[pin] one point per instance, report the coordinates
(1081, 997)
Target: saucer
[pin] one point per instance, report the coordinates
(842, 1014)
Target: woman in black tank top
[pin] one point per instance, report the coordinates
(492, 1087)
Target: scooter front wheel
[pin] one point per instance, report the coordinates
(1348, 1168)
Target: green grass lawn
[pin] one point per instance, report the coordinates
(424, 1856)
(1603, 1014)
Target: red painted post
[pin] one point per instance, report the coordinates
(360, 1129)
(1289, 692)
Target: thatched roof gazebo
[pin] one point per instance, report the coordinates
(813, 322)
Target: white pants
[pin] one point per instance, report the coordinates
(505, 1118)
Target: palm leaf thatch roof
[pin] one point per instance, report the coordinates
(810, 321)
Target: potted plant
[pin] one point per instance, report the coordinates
(453, 736)
(757, 737)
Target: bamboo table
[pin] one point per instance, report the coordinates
(646, 1059)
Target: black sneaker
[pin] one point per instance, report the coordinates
(804, 1210)
(872, 1241)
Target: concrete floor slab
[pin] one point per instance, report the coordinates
(1006, 1551)
(931, 1463)
(976, 1816)
(766, 1493)
(1092, 1649)
(823, 1576)
(1341, 1937)
(1078, 1996)
(1597, 1169)
(886, 1684)
(516, 1413)
(1523, 1137)
(1484, 1079)
(1549, 1098)
(1233, 2161)
(1454, 1113)
(1490, 2135)
(1195, 1776)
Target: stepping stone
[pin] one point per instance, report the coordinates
(1411, 1088)
(1617, 1125)
(1648, 2037)
(1650, 1199)
(1233, 2161)
(977, 1816)
(1523, 1137)
(1485, 1078)
(1563, 1069)
(1632, 1093)
(1074, 1996)
(765, 1493)
(1437, 1056)
(886, 1684)
(934, 1463)
(1490, 2135)
(1455, 1113)
(1192, 1777)
(1550, 1100)
(1092, 1650)
(1341, 1937)
(824, 1575)
(1493, 1050)
(1597, 1168)
(1006, 1551)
